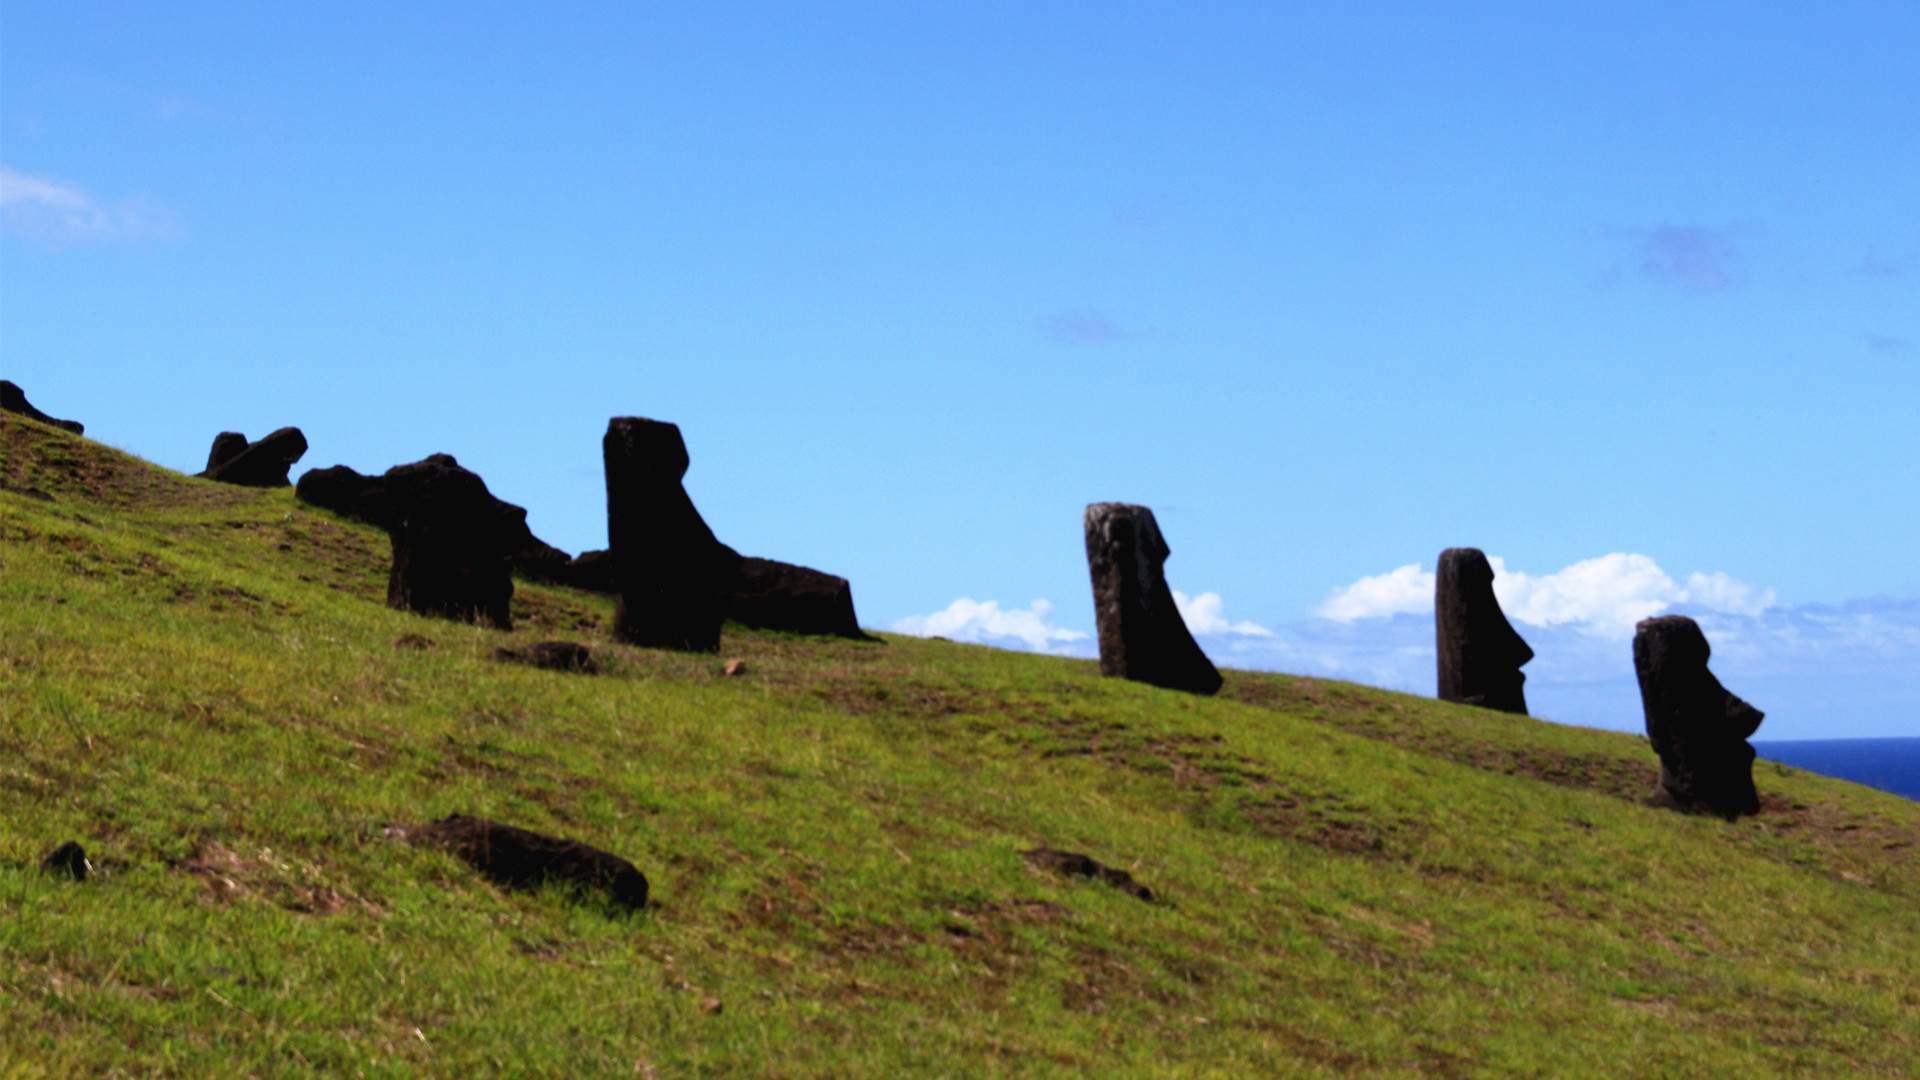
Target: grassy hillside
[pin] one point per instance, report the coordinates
(200, 683)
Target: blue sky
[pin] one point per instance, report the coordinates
(1330, 290)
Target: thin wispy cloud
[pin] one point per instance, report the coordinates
(1881, 266)
(55, 212)
(1083, 327)
(1690, 258)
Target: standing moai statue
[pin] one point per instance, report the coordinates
(1697, 727)
(1480, 653)
(668, 568)
(451, 551)
(1142, 636)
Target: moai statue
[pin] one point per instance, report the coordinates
(668, 569)
(1142, 636)
(14, 400)
(451, 547)
(1697, 727)
(234, 460)
(1480, 653)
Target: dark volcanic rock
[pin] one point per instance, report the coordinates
(553, 656)
(668, 569)
(522, 859)
(1075, 864)
(781, 596)
(451, 544)
(1697, 727)
(257, 464)
(69, 859)
(591, 570)
(226, 446)
(1480, 653)
(14, 400)
(1142, 636)
(345, 492)
(532, 557)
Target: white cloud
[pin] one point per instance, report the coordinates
(1406, 591)
(972, 621)
(1205, 614)
(1603, 596)
(54, 211)
(1608, 594)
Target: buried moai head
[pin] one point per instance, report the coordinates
(668, 568)
(1480, 654)
(1698, 728)
(451, 545)
(1142, 636)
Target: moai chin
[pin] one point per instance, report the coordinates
(1142, 636)
(1698, 728)
(1480, 654)
(668, 568)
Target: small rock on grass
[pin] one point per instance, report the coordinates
(552, 656)
(69, 859)
(1074, 864)
(523, 859)
(413, 641)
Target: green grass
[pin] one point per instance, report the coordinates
(200, 684)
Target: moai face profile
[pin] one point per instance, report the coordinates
(1480, 653)
(1697, 726)
(1142, 636)
(668, 568)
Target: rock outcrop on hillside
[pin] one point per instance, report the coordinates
(234, 460)
(523, 859)
(1480, 654)
(14, 400)
(569, 656)
(668, 568)
(1142, 636)
(1697, 726)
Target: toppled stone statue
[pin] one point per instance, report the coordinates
(763, 593)
(522, 859)
(343, 491)
(234, 460)
(1074, 864)
(668, 568)
(568, 656)
(592, 571)
(1697, 727)
(773, 595)
(1142, 636)
(1480, 653)
(364, 498)
(14, 400)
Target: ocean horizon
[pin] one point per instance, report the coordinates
(1891, 765)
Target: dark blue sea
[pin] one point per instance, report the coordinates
(1888, 764)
